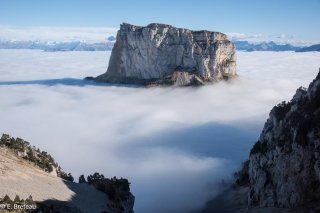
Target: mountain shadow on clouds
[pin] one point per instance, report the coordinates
(208, 140)
(60, 81)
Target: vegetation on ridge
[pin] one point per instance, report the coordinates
(32, 154)
(113, 187)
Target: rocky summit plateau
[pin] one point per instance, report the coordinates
(160, 54)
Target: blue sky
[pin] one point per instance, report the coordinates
(268, 17)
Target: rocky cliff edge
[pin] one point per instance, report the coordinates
(284, 165)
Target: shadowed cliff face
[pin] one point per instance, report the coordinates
(283, 171)
(284, 165)
(162, 54)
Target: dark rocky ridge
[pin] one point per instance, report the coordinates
(284, 165)
(160, 54)
(118, 196)
(283, 171)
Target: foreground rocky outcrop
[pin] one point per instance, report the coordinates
(283, 170)
(31, 177)
(284, 165)
(160, 54)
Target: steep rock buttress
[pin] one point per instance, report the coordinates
(160, 54)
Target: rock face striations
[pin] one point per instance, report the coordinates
(162, 54)
(284, 165)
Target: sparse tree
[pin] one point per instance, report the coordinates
(95, 177)
(70, 177)
(17, 199)
(82, 179)
(6, 199)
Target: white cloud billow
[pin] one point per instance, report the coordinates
(175, 145)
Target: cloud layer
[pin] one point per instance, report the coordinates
(174, 144)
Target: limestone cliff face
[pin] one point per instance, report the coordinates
(284, 165)
(163, 54)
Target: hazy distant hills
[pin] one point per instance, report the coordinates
(272, 46)
(52, 46)
(57, 46)
(79, 46)
(315, 47)
(265, 46)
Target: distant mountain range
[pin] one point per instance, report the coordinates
(272, 46)
(264, 46)
(57, 46)
(315, 47)
(52, 46)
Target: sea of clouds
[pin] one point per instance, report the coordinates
(175, 145)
